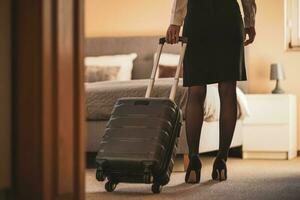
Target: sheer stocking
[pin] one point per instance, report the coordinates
(194, 116)
(228, 116)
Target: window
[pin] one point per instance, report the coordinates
(292, 30)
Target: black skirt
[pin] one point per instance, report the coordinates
(215, 50)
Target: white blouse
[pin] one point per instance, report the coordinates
(179, 11)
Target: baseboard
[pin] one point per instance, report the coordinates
(285, 155)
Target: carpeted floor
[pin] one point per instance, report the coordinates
(247, 179)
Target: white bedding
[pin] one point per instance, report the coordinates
(212, 104)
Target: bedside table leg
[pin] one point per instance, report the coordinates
(185, 161)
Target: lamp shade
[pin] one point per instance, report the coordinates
(277, 72)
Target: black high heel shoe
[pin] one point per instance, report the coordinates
(193, 171)
(219, 170)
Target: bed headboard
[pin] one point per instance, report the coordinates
(144, 46)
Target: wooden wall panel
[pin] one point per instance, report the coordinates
(26, 61)
(5, 95)
(65, 101)
(79, 104)
(48, 103)
(48, 100)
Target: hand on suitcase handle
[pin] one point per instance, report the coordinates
(184, 41)
(181, 39)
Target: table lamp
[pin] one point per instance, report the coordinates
(277, 73)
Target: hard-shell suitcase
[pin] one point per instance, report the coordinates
(141, 136)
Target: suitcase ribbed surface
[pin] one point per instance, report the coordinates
(140, 130)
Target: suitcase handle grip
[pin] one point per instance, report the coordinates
(162, 41)
(181, 39)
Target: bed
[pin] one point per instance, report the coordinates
(100, 96)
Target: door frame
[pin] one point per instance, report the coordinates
(48, 129)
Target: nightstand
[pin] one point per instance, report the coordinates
(270, 132)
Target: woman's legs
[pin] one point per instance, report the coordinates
(194, 116)
(194, 120)
(228, 116)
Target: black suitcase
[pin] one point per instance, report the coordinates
(141, 136)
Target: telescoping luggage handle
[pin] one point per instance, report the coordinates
(162, 41)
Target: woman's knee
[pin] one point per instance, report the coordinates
(227, 88)
(197, 92)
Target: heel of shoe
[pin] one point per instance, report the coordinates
(193, 173)
(219, 170)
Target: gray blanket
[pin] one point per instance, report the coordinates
(101, 97)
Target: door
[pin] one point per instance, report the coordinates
(5, 98)
(48, 99)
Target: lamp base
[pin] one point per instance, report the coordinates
(278, 89)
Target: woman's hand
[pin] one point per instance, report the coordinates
(172, 36)
(251, 34)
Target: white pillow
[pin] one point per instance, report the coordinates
(167, 59)
(125, 61)
(96, 74)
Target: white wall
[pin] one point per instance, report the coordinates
(126, 17)
(5, 99)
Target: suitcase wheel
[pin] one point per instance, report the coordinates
(156, 188)
(100, 175)
(110, 186)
